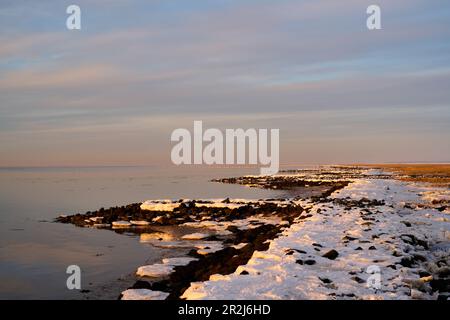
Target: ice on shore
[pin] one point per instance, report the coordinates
(170, 205)
(160, 205)
(220, 227)
(101, 225)
(139, 223)
(207, 248)
(154, 270)
(220, 204)
(155, 236)
(295, 265)
(195, 236)
(121, 224)
(240, 245)
(179, 261)
(143, 294)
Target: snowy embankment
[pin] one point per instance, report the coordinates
(396, 249)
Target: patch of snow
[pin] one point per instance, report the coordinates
(139, 223)
(195, 236)
(207, 248)
(121, 224)
(160, 205)
(362, 237)
(181, 261)
(155, 236)
(101, 225)
(240, 245)
(143, 294)
(155, 270)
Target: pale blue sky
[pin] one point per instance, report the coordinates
(113, 92)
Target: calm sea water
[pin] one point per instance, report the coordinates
(35, 252)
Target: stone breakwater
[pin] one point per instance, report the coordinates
(315, 247)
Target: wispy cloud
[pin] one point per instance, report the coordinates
(155, 59)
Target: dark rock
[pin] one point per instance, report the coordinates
(358, 279)
(441, 285)
(392, 266)
(372, 248)
(292, 251)
(444, 272)
(163, 285)
(413, 240)
(407, 223)
(407, 262)
(419, 257)
(332, 254)
(424, 274)
(325, 280)
(140, 284)
(396, 254)
(317, 245)
(348, 238)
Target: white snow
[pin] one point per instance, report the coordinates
(208, 248)
(155, 236)
(143, 294)
(101, 225)
(195, 236)
(169, 205)
(155, 270)
(240, 245)
(273, 274)
(121, 224)
(159, 205)
(220, 227)
(139, 223)
(179, 261)
(220, 204)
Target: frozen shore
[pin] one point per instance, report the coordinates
(364, 235)
(397, 250)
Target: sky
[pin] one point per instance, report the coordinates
(112, 92)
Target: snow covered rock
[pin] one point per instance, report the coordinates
(155, 236)
(121, 224)
(155, 270)
(180, 261)
(143, 294)
(195, 236)
(139, 223)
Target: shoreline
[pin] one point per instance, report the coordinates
(237, 230)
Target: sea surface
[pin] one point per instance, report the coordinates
(35, 252)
